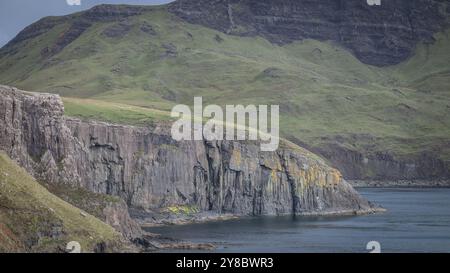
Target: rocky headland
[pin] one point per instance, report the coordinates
(154, 175)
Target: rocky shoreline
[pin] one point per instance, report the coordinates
(400, 184)
(156, 218)
(149, 220)
(151, 242)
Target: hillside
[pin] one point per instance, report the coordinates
(371, 122)
(378, 35)
(34, 220)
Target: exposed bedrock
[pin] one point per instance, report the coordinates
(378, 35)
(148, 169)
(383, 166)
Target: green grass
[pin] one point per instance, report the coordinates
(325, 94)
(88, 109)
(34, 220)
(90, 202)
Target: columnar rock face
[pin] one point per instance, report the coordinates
(148, 169)
(377, 35)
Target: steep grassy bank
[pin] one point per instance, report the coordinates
(34, 220)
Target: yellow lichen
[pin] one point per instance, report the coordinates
(334, 177)
(236, 158)
(272, 162)
(273, 175)
(181, 209)
(314, 175)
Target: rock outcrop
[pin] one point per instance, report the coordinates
(383, 166)
(378, 35)
(148, 169)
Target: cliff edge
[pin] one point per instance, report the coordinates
(149, 170)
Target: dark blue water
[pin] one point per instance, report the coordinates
(417, 220)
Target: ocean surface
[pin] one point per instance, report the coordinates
(417, 220)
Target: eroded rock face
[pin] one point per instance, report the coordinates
(383, 166)
(148, 169)
(377, 35)
(116, 215)
(69, 35)
(113, 12)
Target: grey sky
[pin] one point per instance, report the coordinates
(17, 14)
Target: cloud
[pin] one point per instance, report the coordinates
(374, 2)
(73, 2)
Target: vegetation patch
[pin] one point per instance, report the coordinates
(181, 210)
(34, 220)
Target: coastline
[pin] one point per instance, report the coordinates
(400, 183)
(408, 210)
(159, 243)
(153, 219)
(150, 220)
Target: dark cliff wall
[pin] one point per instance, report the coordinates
(377, 35)
(385, 166)
(148, 169)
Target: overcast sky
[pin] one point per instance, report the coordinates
(17, 14)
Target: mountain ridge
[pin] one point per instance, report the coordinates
(377, 35)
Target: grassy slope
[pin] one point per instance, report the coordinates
(325, 94)
(33, 219)
(89, 109)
